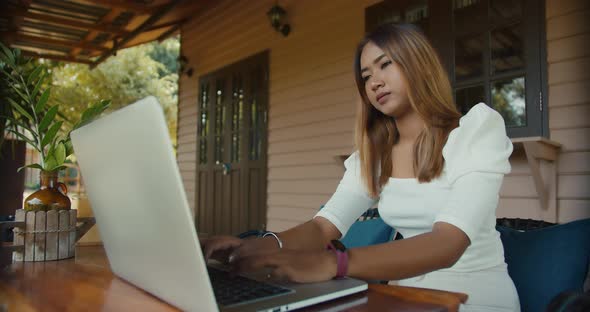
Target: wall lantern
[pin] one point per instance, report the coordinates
(184, 66)
(275, 15)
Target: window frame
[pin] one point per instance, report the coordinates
(441, 32)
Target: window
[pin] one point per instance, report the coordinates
(493, 51)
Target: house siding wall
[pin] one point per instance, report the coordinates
(311, 89)
(313, 96)
(568, 49)
(568, 66)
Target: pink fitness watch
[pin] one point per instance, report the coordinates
(339, 249)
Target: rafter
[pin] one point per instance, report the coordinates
(12, 36)
(17, 20)
(148, 23)
(108, 18)
(168, 24)
(23, 13)
(56, 57)
(87, 30)
(169, 32)
(126, 5)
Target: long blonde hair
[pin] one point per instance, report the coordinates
(429, 93)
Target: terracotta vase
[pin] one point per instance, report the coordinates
(51, 195)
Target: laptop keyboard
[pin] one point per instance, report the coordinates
(234, 289)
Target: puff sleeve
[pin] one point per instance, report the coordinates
(476, 159)
(351, 198)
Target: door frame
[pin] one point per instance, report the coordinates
(261, 60)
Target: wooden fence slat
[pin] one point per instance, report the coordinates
(40, 226)
(19, 239)
(51, 242)
(29, 237)
(63, 236)
(72, 234)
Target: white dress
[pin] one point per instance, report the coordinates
(464, 195)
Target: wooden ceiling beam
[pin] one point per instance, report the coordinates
(169, 32)
(108, 18)
(12, 36)
(56, 57)
(125, 5)
(23, 13)
(168, 24)
(163, 10)
(26, 3)
(18, 20)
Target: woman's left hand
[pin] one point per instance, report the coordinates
(291, 265)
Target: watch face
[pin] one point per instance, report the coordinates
(338, 245)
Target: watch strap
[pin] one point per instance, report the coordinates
(341, 258)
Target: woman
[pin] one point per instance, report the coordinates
(434, 174)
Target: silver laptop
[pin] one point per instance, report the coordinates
(136, 192)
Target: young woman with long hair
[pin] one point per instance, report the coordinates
(435, 176)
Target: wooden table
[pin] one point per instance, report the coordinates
(86, 283)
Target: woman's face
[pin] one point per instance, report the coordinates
(385, 83)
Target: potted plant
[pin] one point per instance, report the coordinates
(27, 115)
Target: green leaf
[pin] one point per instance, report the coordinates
(24, 138)
(88, 114)
(59, 168)
(8, 74)
(41, 103)
(9, 57)
(35, 166)
(92, 112)
(51, 133)
(34, 74)
(69, 147)
(16, 88)
(48, 118)
(53, 146)
(60, 153)
(38, 85)
(50, 150)
(20, 109)
(20, 124)
(64, 117)
(50, 163)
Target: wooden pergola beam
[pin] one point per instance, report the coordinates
(168, 24)
(12, 36)
(56, 57)
(169, 32)
(65, 22)
(148, 23)
(26, 3)
(108, 18)
(125, 5)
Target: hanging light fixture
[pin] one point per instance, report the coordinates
(275, 15)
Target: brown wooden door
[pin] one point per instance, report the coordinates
(231, 148)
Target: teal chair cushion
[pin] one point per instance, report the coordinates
(545, 262)
(369, 229)
(368, 232)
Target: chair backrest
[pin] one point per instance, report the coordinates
(369, 229)
(546, 261)
(570, 301)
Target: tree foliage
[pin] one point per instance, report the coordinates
(508, 98)
(132, 74)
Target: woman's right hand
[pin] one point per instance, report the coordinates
(229, 248)
(220, 247)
